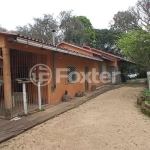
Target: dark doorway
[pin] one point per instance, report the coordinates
(86, 79)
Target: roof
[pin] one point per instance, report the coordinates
(106, 53)
(43, 45)
(74, 46)
(101, 53)
(24, 37)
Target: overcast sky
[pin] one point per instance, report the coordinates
(100, 12)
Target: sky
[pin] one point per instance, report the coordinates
(21, 12)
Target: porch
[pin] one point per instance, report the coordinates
(20, 64)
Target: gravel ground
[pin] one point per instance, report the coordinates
(108, 122)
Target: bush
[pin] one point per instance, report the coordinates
(145, 93)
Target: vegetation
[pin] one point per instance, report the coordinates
(136, 47)
(145, 93)
(135, 42)
(128, 36)
(107, 40)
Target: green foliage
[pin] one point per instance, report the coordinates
(106, 40)
(77, 30)
(70, 28)
(3, 29)
(146, 93)
(73, 30)
(124, 21)
(136, 47)
(41, 29)
(88, 29)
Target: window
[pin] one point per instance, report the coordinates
(71, 74)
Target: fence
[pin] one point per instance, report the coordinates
(21, 62)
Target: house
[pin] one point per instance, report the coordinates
(25, 63)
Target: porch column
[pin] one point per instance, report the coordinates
(7, 82)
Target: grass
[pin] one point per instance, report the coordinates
(40, 110)
(140, 80)
(146, 93)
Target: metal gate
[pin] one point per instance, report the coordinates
(21, 62)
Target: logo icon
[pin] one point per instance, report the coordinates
(40, 73)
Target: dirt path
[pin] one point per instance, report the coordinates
(109, 122)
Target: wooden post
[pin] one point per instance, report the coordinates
(7, 83)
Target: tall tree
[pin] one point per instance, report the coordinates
(70, 28)
(2, 29)
(41, 29)
(124, 21)
(136, 47)
(106, 40)
(76, 29)
(88, 28)
(73, 30)
(141, 11)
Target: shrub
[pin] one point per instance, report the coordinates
(145, 93)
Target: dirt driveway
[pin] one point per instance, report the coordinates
(108, 122)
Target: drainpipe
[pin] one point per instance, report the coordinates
(54, 63)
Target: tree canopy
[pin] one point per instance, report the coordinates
(107, 39)
(2, 29)
(135, 42)
(124, 21)
(70, 28)
(136, 47)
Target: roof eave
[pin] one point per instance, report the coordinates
(53, 48)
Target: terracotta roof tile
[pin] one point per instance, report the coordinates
(37, 40)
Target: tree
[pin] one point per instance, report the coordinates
(73, 30)
(88, 28)
(25, 30)
(106, 40)
(124, 21)
(41, 29)
(136, 47)
(141, 11)
(76, 29)
(70, 28)
(3, 29)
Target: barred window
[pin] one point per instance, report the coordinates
(71, 74)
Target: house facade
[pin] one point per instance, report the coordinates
(23, 58)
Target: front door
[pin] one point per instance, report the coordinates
(86, 79)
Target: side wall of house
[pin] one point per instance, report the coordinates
(62, 61)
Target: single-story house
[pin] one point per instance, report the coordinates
(20, 54)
